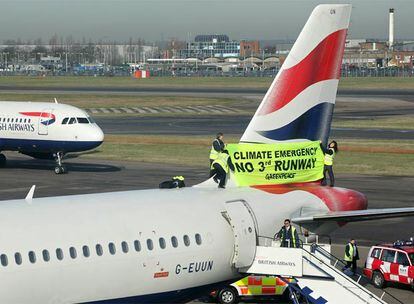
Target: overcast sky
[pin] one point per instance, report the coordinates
(156, 19)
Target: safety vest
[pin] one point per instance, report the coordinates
(329, 158)
(222, 161)
(180, 178)
(349, 257)
(293, 239)
(213, 153)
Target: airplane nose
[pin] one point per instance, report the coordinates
(99, 135)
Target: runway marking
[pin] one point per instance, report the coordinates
(196, 109)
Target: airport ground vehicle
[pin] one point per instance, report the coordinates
(391, 263)
(252, 287)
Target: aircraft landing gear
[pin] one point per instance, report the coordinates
(60, 169)
(3, 160)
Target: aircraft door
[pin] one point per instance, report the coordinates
(243, 222)
(45, 119)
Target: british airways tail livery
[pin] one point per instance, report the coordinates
(170, 245)
(299, 103)
(46, 130)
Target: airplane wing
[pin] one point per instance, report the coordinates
(355, 215)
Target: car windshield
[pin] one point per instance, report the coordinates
(411, 256)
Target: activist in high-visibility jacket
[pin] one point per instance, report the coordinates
(220, 168)
(288, 235)
(216, 147)
(330, 153)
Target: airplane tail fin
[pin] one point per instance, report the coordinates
(299, 103)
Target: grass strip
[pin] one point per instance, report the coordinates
(362, 157)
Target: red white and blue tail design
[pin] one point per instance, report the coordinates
(299, 103)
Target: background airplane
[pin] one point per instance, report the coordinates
(174, 245)
(46, 131)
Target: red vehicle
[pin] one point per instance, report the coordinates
(391, 263)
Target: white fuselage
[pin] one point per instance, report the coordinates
(46, 128)
(41, 227)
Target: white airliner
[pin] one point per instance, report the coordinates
(46, 130)
(174, 245)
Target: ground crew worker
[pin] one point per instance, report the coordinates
(216, 147)
(351, 256)
(328, 162)
(220, 168)
(288, 235)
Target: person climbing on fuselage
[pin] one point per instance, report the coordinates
(220, 168)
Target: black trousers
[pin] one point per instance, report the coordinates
(329, 170)
(219, 172)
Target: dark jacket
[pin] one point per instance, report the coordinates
(356, 257)
(287, 238)
(218, 145)
(230, 164)
(326, 150)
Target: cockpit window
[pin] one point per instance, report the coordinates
(65, 120)
(91, 120)
(72, 121)
(83, 120)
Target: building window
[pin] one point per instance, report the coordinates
(198, 239)
(112, 249)
(72, 252)
(99, 250)
(150, 244)
(32, 257)
(162, 243)
(137, 246)
(46, 256)
(124, 246)
(59, 254)
(85, 250)
(186, 240)
(4, 260)
(18, 258)
(174, 242)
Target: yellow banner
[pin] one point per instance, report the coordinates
(262, 164)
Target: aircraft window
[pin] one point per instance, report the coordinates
(46, 256)
(150, 244)
(91, 120)
(8, 119)
(4, 260)
(198, 238)
(137, 246)
(65, 120)
(86, 252)
(112, 248)
(72, 252)
(12, 120)
(72, 121)
(83, 120)
(32, 257)
(18, 258)
(174, 242)
(186, 240)
(29, 120)
(125, 247)
(99, 250)
(59, 254)
(162, 243)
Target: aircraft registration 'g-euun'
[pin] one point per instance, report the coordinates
(174, 245)
(46, 130)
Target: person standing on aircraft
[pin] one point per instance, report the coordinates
(220, 168)
(288, 235)
(351, 255)
(216, 147)
(328, 162)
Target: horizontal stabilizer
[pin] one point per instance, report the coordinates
(355, 216)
